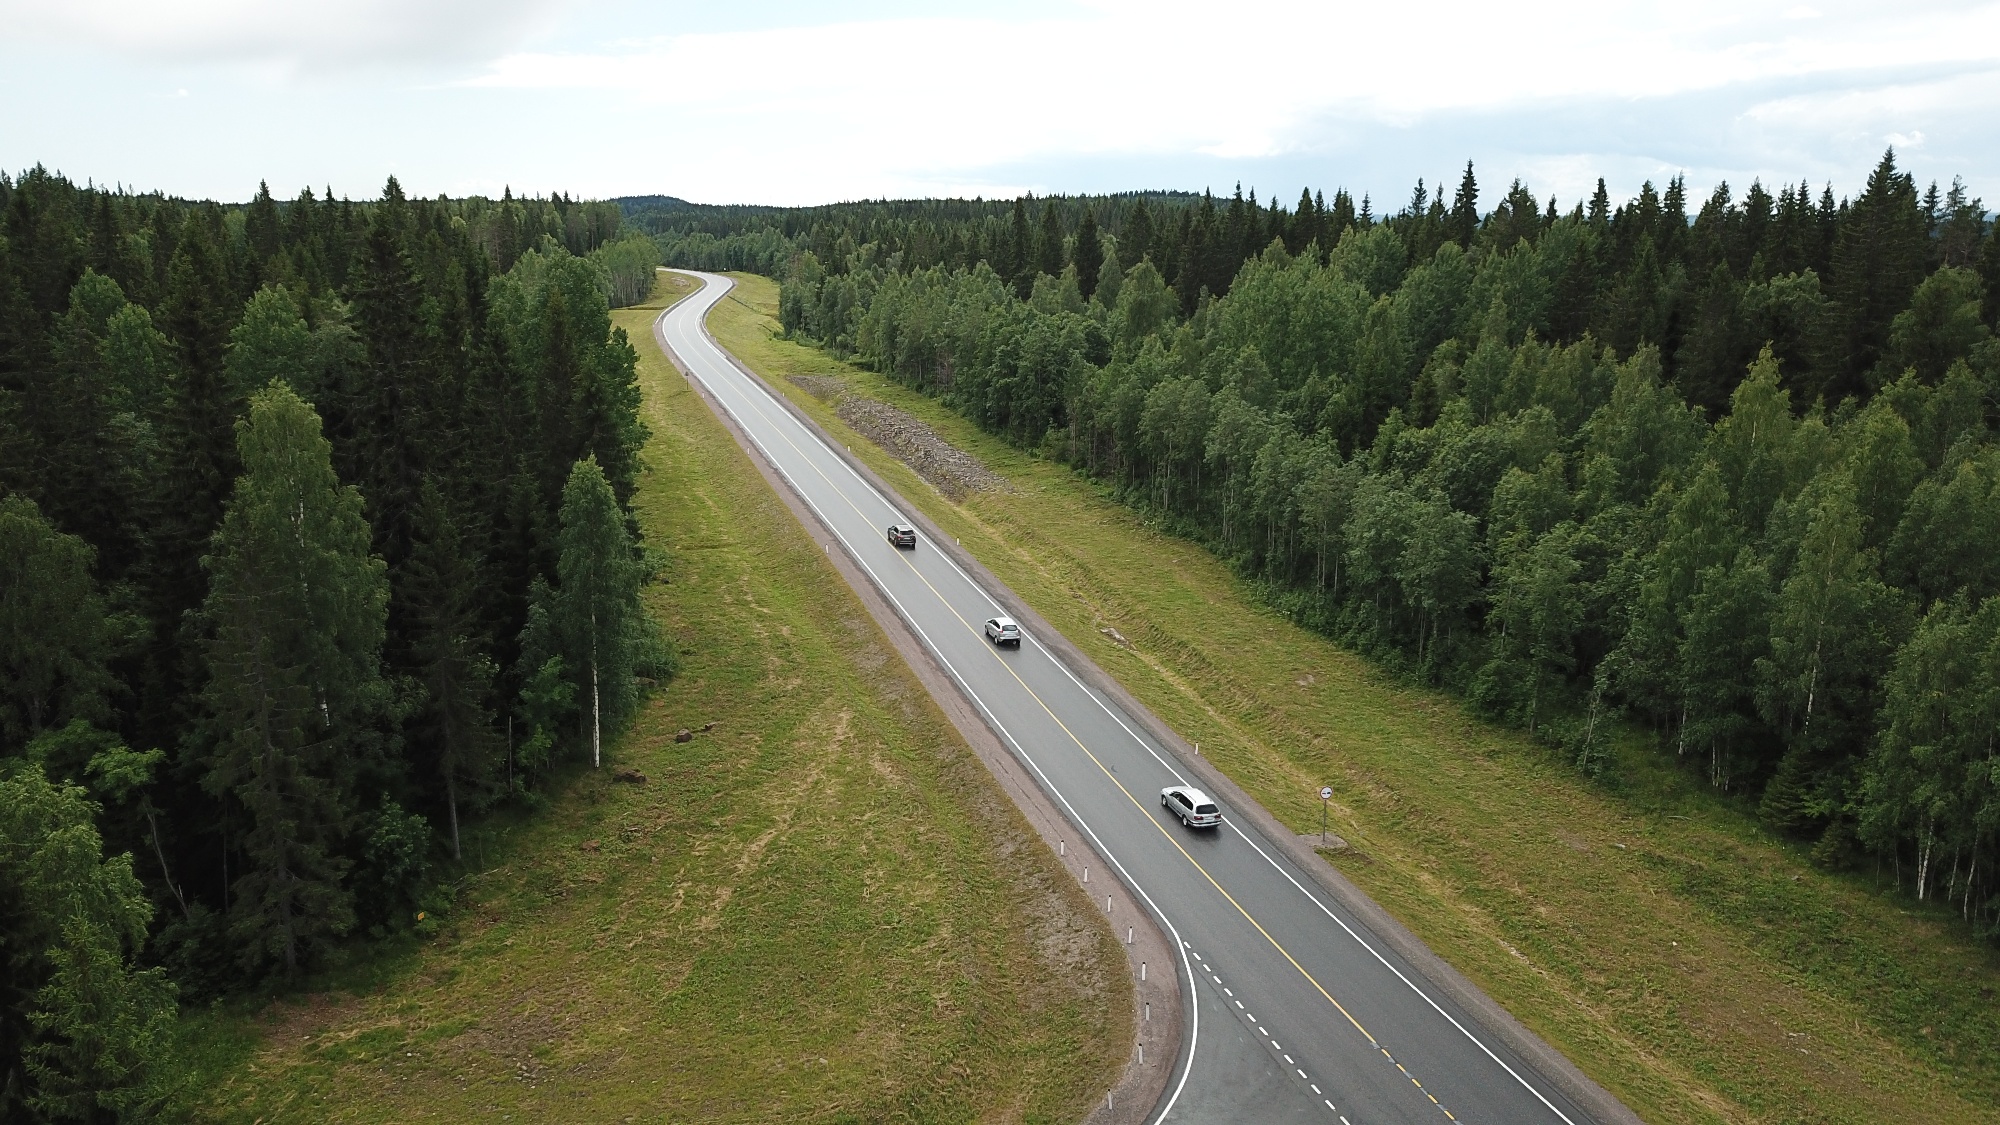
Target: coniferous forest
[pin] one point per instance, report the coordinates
(1723, 469)
(314, 537)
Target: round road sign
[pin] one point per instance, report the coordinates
(1326, 792)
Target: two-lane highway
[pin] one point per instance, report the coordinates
(1296, 1011)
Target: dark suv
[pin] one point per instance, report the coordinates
(903, 535)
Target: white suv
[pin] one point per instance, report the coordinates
(1003, 631)
(1191, 805)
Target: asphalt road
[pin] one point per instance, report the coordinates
(1297, 1011)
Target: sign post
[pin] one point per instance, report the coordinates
(1325, 795)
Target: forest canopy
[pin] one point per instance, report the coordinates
(299, 501)
(1720, 466)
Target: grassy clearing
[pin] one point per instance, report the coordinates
(823, 910)
(1653, 933)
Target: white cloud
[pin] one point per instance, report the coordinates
(613, 96)
(931, 98)
(281, 37)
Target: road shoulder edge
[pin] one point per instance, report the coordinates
(1158, 1002)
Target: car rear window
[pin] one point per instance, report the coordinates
(1204, 808)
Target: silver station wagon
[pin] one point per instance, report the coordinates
(1191, 805)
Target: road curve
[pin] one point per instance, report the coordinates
(1298, 1009)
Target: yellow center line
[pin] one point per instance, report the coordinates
(1113, 778)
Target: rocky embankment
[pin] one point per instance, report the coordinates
(948, 468)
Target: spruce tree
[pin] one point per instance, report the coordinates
(1988, 267)
(1599, 215)
(110, 249)
(1049, 243)
(201, 410)
(1017, 264)
(454, 724)
(1305, 229)
(262, 230)
(196, 431)
(295, 697)
(1463, 223)
(1136, 240)
(1235, 238)
(385, 426)
(1334, 222)
(196, 311)
(1881, 254)
(1089, 254)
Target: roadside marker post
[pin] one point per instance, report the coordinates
(1325, 795)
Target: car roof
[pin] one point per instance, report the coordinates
(1003, 621)
(1193, 794)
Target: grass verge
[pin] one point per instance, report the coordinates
(1650, 931)
(823, 909)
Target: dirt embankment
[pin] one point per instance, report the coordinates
(948, 468)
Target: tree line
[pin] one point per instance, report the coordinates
(1729, 474)
(315, 539)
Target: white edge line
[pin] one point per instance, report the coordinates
(1194, 1023)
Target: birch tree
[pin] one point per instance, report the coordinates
(597, 617)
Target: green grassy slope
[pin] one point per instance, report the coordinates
(822, 910)
(1655, 935)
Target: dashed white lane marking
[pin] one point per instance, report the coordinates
(1275, 1045)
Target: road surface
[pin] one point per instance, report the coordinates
(1297, 1011)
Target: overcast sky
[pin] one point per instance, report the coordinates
(791, 102)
